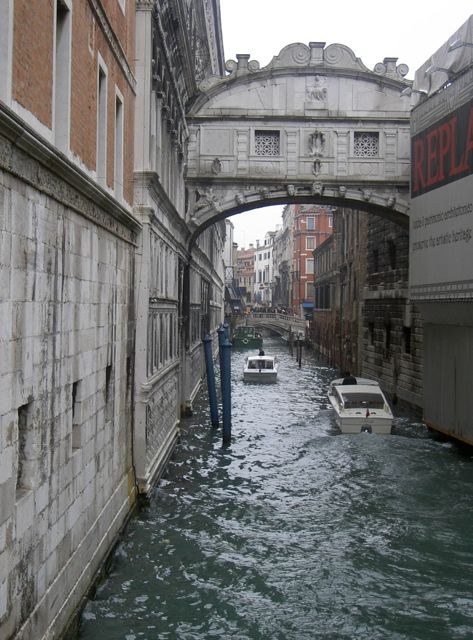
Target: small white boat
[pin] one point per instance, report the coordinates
(262, 369)
(360, 407)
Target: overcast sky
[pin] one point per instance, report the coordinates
(409, 30)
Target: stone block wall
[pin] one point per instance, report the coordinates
(392, 325)
(66, 337)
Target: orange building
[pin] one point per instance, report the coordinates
(245, 272)
(70, 76)
(311, 224)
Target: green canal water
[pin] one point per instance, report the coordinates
(295, 531)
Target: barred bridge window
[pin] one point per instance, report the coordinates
(366, 144)
(267, 143)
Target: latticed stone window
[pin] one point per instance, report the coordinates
(267, 143)
(366, 144)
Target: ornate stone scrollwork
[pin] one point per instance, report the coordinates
(242, 65)
(316, 149)
(240, 198)
(391, 201)
(207, 198)
(367, 195)
(389, 68)
(342, 191)
(317, 189)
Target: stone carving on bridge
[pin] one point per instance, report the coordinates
(318, 91)
(316, 149)
(240, 198)
(291, 190)
(207, 199)
(317, 188)
(264, 193)
(216, 166)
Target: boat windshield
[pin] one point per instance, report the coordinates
(364, 400)
(260, 364)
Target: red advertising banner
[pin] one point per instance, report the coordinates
(443, 152)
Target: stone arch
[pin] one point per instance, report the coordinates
(379, 204)
(313, 126)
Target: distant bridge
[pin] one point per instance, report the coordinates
(281, 323)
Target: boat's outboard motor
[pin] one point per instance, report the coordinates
(366, 428)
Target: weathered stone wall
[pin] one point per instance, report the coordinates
(392, 326)
(376, 332)
(340, 271)
(66, 339)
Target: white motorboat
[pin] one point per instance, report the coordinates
(262, 369)
(360, 407)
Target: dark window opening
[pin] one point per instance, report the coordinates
(375, 260)
(392, 253)
(387, 343)
(76, 418)
(371, 332)
(406, 334)
(24, 474)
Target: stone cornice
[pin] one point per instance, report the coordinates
(57, 170)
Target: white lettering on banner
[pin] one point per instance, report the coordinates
(463, 235)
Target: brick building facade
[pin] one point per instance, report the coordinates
(392, 325)
(311, 225)
(340, 265)
(245, 273)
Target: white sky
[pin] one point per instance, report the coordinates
(409, 30)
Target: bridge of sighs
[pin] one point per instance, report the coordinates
(313, 126)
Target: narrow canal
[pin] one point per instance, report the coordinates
(295, 531)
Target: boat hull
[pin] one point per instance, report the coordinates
(358, 419)
(247, 343)
(358, 424)
(261, 377)
(245, 337)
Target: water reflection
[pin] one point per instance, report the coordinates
(295, 531)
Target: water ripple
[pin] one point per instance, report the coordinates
(295, 531)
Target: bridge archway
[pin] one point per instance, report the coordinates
(313, 126)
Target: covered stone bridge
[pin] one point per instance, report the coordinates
(313, 126)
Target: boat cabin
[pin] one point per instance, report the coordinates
(261, 363)
(353, 399)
